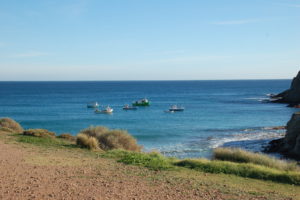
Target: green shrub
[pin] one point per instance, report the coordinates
(86, 141)
(112, 139)
(11, 125)
(67, 136)
(238, 155)
(241, 169)
(39, 133)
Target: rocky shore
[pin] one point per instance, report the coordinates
(288, 146)
(290, 96)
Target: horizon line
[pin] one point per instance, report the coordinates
(143, 80)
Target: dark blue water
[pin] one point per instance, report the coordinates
(218, 113)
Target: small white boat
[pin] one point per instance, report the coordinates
(107, 110)
(127, 107)
(92, 105)
(176, 108)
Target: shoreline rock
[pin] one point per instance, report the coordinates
(289, 146)
(290, 96)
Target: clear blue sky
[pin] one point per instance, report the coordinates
(149, 39)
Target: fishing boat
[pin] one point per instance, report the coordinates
(127, 107)
(176, 108)
(169, 111)
(107, 110)
(142, 102)
(92, 105)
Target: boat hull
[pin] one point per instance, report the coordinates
(132, 108)
(103, 112)
(177, 109)
(141, 104)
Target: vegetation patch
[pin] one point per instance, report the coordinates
(88, 142)
(241, 156)
(6, 130)
(112, 139)
(67, 136)
(248, 170)
(42, 141)
(94, 131)
(39, 133)
(10, 125)
(153, 160)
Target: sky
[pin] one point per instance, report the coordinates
(149, 39)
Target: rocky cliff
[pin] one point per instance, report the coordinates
(292, 95)
(290, 144)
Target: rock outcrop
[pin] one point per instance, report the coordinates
(290, 144)
(290, 96)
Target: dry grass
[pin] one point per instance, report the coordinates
(238, 155)
(94, 131)
(112, 139)
(67, 136)
(39, 133)
(86, 141)
(6, 130)
(118, 139)
(10, 124)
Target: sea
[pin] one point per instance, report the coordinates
(231, 113)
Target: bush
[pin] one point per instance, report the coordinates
(241, 169)
(86, 141)
(39, 133)
(118, 139)
(67, 136)
(11, 124)
(241, 156)
(95, 131)
(112, 139)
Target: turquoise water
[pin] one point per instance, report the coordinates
(218, 113)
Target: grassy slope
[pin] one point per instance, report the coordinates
(233, 187)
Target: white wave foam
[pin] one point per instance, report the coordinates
(257, 136)
(257, 98)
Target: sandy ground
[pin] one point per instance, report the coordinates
(33, 172)
(26, 174)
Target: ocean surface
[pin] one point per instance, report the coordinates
(217, 113)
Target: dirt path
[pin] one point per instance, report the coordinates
(60, 175)
(36, 172)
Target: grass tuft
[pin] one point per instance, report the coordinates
(86, 141)
(242, 156)
(118, 139)
(112, 139)
(38, 133)
(6, 130)
(67, 136)
(10, 124)
(94, 131)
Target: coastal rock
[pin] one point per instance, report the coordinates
(290, 144)
(290, 96)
